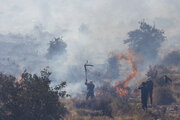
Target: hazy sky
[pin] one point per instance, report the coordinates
(85, 24)
(101, 16)
(92, 26)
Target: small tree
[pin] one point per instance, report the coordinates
(32, 98)
(146, 40)
(56, 48)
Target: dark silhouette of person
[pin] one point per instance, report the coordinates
(149, 84)
(144, 95)
(90, 89)
(167, 79)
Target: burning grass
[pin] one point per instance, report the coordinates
(130, 58)
(118, 102)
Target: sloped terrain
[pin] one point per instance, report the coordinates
(120, 108)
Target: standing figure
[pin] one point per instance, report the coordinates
(90, 89)
(167, 80)
(144, 95)
(150, 89)
(90, 85)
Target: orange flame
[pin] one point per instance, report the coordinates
(19, 79)
(130, 58)
(134, 69)
(121, 91)
(122, 85)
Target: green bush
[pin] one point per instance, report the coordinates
(31, 98)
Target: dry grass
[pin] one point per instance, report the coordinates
(120, 111)
(130, 109)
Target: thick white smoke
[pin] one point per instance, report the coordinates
(91, 29)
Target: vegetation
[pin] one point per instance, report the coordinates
(145, 41)
(107, 108)
(56, 48)
(163, 96)
(163, 93)
(31, 98)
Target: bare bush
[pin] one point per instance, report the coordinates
(163, 96)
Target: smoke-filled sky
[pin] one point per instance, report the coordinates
(83, 22)
(101, 16)
(91, 28)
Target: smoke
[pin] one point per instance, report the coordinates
(172, 59)
(113, 68)
(91, 29)
(23, 51)
(129, 57)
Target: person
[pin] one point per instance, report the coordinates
(144, 95)
(90, 89)
(167, 79)
(150, 89)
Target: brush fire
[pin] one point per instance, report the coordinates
(123, 84)
(121, 91)
(94, 71)
(120, 87)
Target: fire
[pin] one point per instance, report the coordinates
(19, 79)
(130, 58)
(133, 72)
(121, 91)
(122, 85)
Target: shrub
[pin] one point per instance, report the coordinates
(163, 96)
(120, 107)
(31, 98)
(56, 48)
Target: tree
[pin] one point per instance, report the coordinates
(146, 40)
(56, 48)
(31, 98)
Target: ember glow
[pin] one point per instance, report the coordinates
(121, 91)
(19, 79)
